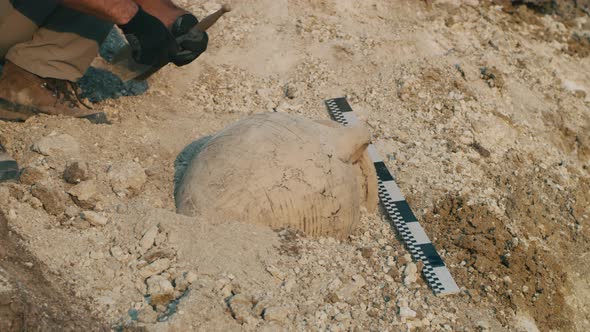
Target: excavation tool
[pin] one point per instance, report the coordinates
(126, 68)
(435, 272)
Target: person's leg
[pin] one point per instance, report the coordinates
(41, 67)
(63, 47)
(14, 27)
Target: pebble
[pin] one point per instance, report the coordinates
(76, 172)
(160, 290)
(241, 307)
(85, 194)
(410, 274)
(127, 179)
(51, 198)
(154, 268)
(80, 223)
(406, 312)
(275, 314)
(94, 218)
(157, 253)
(32, 175)
(148, 238)
(57, 145)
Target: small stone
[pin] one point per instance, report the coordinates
(154, 268)
(334, 284)
(32, 175)
(342, 316)
(80, 223)
(147, 315)
(276, 314)
(156, 253)
(181, 284)
(119, 254)
(148, 238)
(291, 91)
(241, 307)
(160, 290)
(57, 145)
(85, 194)
(406, 312)
(76, 172)
(94, 218)
(191, 277)
(410, 274)
(366, 252)
(72, 211)
(52, 199)
(127, 179)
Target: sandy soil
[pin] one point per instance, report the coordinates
(481, 112)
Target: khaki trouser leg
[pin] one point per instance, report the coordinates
(62, 48)
(14, 27)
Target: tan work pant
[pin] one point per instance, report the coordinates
(49, 41)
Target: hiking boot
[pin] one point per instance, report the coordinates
(8, 166)
(23, 94)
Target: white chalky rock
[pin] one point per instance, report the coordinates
(160, 290)
(281, 171)
(63, 144)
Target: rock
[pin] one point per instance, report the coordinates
(181, 283)
(76, 172)
(154, 268)
(406, 312)
(366, 252)
(410, 274)
(335, 284)
(85, 194)
(57, 145)
(342, 316)
(52, 199)
(119, 254)
(276, 314)
(94, 218)
(72, 211)
(147, 315)
(127, 179)
(191, 277)
(241, 307)
(157, 253)
(80, 223)
(291, 91)
(32, 175)
(148, 238)
(160, 290)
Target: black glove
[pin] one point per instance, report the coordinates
(191, 42)
(151, 41)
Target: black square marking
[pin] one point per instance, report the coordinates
(430, 255)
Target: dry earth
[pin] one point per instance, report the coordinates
(482, 113)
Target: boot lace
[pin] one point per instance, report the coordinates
(66, 92)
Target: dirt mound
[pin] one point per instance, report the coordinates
(28, 300)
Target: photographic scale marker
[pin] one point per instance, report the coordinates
(435, 272)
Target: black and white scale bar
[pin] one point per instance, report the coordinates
(437, 275)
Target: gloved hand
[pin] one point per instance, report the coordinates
(151, 41)
(191, 42)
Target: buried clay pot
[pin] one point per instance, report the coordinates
(281, 171)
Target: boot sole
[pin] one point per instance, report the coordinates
(8, 170)
(28, 111)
